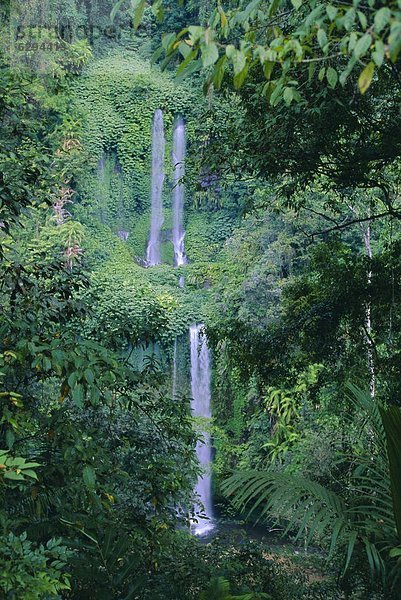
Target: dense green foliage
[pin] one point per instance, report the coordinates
(292, 42)
(293, 246)
(348, 515)
(117, 97)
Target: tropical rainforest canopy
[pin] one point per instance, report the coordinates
(200, 333)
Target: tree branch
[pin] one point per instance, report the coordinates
(348, 223)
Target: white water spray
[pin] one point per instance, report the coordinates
(201, 397)
(153, 254)
(178, 157)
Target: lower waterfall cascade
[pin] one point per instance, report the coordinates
(201, 407)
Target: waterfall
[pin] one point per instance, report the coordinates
(201, 396)
(153, 255)
(178, 158)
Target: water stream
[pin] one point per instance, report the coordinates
(178, 158)
(153, 254)
(201, 397)
(200, 354)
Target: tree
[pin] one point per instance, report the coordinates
(326, 41)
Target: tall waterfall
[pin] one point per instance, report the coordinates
(153, 255)
(201, 396)
(178, 158)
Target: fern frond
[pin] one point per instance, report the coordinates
(363, 512)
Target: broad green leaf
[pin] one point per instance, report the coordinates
(296, 3)
(167, 40)
(210, 54)
(352, 40)
(138, 7)
(382, 18)
(266, 55)
(321, 37)
(239, 62)
(230, 50)
(395, 41)
(184, 49)
(273, 7)
(195, 33)
(288, 95)
(332, 77)
(275, 95)
(268, 69)
(362, 45)
(10, 438)
(349, 18)
(157, 10)
(15, 461)
(115, 9)
(249, 10)
(157, 54)
(223, 18)
(89, 376)
(331, 12)
(314, 15)
(78, 395)
(29, 473)
(362, 19)
(345, 74)
(190, 57)
(239, 78)
(167, 60)
(191, 67)
(72, 379)
(14, 476)
(219, 71)
(378, 54)
(89, 477)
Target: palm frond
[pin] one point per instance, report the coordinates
(391, 418)
(280, 494)
(363, 403)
